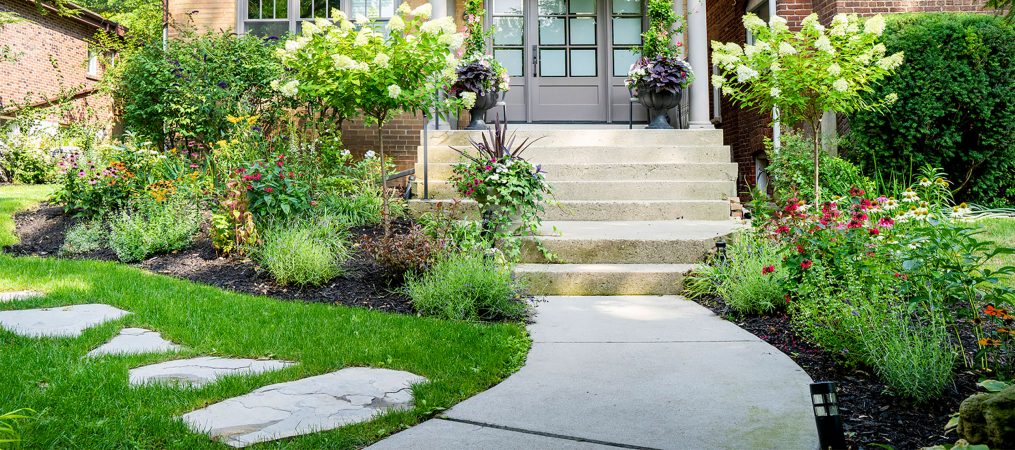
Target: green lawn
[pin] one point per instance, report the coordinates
(87, 403)
(14, 198)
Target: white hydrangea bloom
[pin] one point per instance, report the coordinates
(891, 98)
(323, 23)
(274, 84)
(785, 48)
(452, 41)
(727, 90)
(343, 62)
(468, 99)
(362, 20)
(753, 23)
(778, 24)
(404, 9)
(394, 91)
(840, 21)
(310, 29)
(840, 85)
(338, 15)
(362, 38)
(775, 92)
(874, 25)
(745, 73)
(750, 50)
(825, 45)
(396, 23)
(734, 49)
(381, 60)
(290, 89)
(763, 46)
(892, 62)
(718, 81)
(810, 21)
(369, 154)
(294, 45)
(834, 70)
(423, 11)
(775, 67)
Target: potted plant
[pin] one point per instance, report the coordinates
(660, 75)
(480, 78)
(509, 189)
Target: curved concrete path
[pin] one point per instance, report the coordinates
(633, 372)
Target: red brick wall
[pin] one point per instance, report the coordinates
(401, 138)
(744, 130)
(53, 56)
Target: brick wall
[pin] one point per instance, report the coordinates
(744, 130)
(52, 60)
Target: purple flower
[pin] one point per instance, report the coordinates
(81, 174)
(223, 84)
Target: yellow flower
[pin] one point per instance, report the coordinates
(252, 120)
(222, 143)
(235, 120)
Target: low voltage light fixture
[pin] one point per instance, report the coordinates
(720, 249)
(826, 415)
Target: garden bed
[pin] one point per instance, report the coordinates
(42, 232)
(871, 415)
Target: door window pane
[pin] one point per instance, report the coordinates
(547, 7)
(551, 31)
(254, 9)
(552, 63)
(507, 30)
(266, 29)
(387, 9)
(627, 30)
(623, 58)
(583, 31)
(583, 6)
(583, 63)
(512, 60)
(627, 6)
(507, 7)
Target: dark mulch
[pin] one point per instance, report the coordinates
(870, 414)
(365, 284)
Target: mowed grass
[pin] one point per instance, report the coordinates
(14, 198)
(87, 403)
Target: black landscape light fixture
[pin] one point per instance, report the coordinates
(720, 249)
(826, 415)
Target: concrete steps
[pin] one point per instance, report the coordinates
(633, 210)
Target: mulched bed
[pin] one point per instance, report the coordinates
(872, 417)
(365, 285)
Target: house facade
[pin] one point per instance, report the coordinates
(568, 58)
(53, 61)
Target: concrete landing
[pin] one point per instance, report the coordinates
(634, 372)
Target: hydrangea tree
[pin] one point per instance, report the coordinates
(355, 68)
(806, 73)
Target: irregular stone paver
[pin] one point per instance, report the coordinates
(314, 404)
(133, 341)
(197, 372)
(18, 295)
(65, 321)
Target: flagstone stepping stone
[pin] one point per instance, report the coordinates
(310, 405)
(64, 321)
(197, 372)
(18, 295)
(133, 341)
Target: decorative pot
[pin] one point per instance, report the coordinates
(659, 104)
(484, 102)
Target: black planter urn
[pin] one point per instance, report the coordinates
(484, 102)
(659, 103)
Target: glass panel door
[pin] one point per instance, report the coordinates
(627, 21)
(507, 18)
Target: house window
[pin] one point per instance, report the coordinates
(759, 8)
(279, 17)
(93, 63)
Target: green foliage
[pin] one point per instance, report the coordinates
(186, 93)
(304, 252)
(466, 287)
(83, 238)
(664, 27)
(749, 278)
(275, 190)
(27, 167)
(791, 171)
(152, 227)
(476, 36)
(9, 433)
(956, 107)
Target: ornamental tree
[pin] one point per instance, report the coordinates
(354, 68)
(806, 73)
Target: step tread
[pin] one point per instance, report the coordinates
(604, 268)
(648, 230)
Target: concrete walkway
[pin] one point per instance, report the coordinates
(632, 372)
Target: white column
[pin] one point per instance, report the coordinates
(697, 50)
(439, 8)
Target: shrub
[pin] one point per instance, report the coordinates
(792, 171)
(466, 287)
(153, 227)
(749, 278)
(304, 251)
(399, 253)
(25, 166)
(956, 107)
(84, 237)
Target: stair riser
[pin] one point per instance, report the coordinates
(614, 137)
(606, 172)
(648, 190)
(605, 251)
(596, 283)
(601, 154)
(606, 211)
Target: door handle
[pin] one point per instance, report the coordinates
(535, 61)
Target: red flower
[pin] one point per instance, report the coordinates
(856, 192)
(767, 270)
(806, 264)
(782, 229)
(268, 190)
(800, 249)
(874, 231)
(886, 222)
(280, 163)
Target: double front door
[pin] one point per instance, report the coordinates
(567, 58)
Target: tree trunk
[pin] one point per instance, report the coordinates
(817, 159)
(385, 217)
